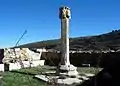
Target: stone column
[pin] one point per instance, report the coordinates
(65, 67)
(65, 41)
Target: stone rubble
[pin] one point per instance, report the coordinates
(24, 54)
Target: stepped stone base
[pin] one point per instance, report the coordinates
(68, 70)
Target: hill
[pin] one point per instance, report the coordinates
(108, 41)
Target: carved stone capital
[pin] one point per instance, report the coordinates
(64, 12)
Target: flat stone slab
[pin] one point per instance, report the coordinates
(42, 77)
(66, 80)
(89, 75)
(56, 80)
(69, 81)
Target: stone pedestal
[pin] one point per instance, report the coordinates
(69, 70)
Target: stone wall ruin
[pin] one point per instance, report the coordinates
(8, 55)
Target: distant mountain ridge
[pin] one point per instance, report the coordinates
(108, 41)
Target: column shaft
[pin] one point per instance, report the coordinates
(65, 42)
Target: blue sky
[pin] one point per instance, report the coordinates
(40, 19)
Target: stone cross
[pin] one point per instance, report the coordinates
(65, 66)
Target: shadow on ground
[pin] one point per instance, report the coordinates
(20, 72)
(109, 76)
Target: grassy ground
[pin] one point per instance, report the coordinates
(24, 77)
(92, 70)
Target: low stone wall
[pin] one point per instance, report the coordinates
(1, 67)
(77, 59)
(17, 65)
